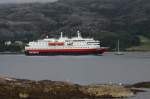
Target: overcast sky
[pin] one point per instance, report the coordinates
(23, 1)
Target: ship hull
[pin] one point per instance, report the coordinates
(98, 51)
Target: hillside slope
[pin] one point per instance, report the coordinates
(105, 20)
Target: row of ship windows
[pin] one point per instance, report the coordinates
(65, 47)
(47, 43)
(65, 44)
(74, 40)
(76, 47)
(43, 43)
(80, 40)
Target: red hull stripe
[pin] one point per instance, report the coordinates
(67, 50)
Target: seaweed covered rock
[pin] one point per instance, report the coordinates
(46, 89)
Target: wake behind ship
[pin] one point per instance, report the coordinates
(65, 46)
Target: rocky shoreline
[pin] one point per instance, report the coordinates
(11, 88)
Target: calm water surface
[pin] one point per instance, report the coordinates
(128, 68)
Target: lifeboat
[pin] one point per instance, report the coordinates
(55, 43)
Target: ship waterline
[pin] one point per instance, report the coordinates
(66, 51)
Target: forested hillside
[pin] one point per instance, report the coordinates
(105, 20)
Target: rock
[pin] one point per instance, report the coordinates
(23, 88)
(23, 95)
(112, 91)
(4, 78)
(141, 85)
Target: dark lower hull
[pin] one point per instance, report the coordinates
(67, 52)
(62, 53)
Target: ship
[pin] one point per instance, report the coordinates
(65, 46)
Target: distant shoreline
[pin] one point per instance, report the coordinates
(11, 52)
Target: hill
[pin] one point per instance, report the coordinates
(105, 20)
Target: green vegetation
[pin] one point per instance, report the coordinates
(104, 20)
(144, 45)
(15, 46)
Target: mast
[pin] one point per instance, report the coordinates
(118, 46)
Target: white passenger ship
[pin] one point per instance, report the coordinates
(65, 46)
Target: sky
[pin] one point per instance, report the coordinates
(24, 1)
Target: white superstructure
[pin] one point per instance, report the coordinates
(64, 42)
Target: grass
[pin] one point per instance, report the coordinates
(144, 45)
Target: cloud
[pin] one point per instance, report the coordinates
(24, 1)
